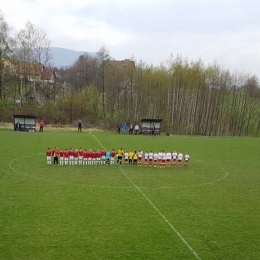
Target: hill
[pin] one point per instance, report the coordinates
(64, 57)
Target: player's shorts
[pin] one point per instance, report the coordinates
(146, 159)
(48, 158)
(103, 157)
(126, 160)
(139, 159)
(61, 158)
(179, 160)
(71, 157)
(80, 157)
(174, 159)
(119, 157)
(186, 160)
(168, 160)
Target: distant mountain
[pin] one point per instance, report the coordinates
(63, 57)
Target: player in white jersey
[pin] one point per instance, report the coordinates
(174, 159)
(150, 158)
(163, 159)
(126, 156)
(139, 158)
(179, 158)
(146, 155)
(186, 159)
(155, 159)
(168, 159)
(160, 159)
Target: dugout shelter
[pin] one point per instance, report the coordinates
(24, 123)
(146, 126)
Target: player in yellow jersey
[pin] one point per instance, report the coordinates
(131, 155)
(120, 154)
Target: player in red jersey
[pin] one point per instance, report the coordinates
(98, 157)
(113, 154)
(94, 162)
(48, 156)
(66, 157)
(103, 156)
(71, 158)
(85, 157)
(61, 157)
(76, 157)
(80, 156)
(90, 159)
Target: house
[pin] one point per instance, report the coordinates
(30, 71)
(48, 75)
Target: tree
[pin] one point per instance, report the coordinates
(33, 55)
(6, 44)
(103, 57)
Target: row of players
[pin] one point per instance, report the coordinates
(89, 157)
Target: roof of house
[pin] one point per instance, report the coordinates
(48, 74)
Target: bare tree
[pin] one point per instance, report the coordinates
(6, 45)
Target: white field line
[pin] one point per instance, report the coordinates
(59, 182)
(158, 211)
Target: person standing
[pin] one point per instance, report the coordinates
(112, 159)
(71, 157)
(103, 156)
(179, 159)
(131, 127)
(61, 156)
(108, 156)
(186, 160)
(135, 157)
(55, 154)
(131, 155)
(139, 158)
(118, 127)
(80, 156)
(125, 127)
(120, 154)
(153, 130)
(79, 126)
(136, 128)
(48, 156)
(76, 157)
(41, 124)
(174, 159)
(18, 126)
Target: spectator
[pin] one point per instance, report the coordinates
(79, 126)
(125, 127)
(136, 128)
(41, 124)
(153, 130)
(118, 127)
(17, 126)
(131, 127)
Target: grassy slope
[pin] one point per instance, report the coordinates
(98, 213)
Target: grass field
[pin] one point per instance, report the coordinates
(210, 210)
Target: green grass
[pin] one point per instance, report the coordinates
(105, 212)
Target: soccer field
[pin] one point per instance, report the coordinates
(209, 210)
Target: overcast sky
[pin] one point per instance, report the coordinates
(227, 31)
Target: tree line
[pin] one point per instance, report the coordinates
(189, 96)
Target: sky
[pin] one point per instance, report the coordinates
(223, 31)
